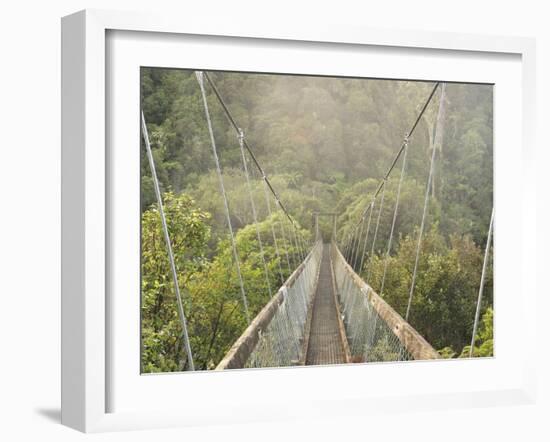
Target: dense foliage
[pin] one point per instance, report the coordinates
(325, 143)
(212, 293)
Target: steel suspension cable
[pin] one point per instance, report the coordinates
(293, 247)
(316, 225)
(402, 148)
(482, 282)
(408, 136)
(405, 142)
(301, 247)
(302, 242)
(345, 238)
(271, 222)
(359, 236)
(286, 245)
(297, 245)
(342, 239)
(246, 145)
(426, 200)
(168, 242)
(354, 243)
(305, 269)
(345, 242)
(370, 209)
(224, 195)
(348, 242)
(376, 232)
(254, 213)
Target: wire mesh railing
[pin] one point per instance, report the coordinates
(374, 330)
(275, 338)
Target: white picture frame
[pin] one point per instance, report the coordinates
(86, 208)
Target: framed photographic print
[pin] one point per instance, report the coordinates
(278, 223)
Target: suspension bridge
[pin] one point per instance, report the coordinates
(324, 312)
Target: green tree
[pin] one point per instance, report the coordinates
(161, 333)
(444, 299)
(483, 345)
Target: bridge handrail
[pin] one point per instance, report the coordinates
(238, 354)
(413, 342)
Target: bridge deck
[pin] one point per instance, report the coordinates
(325, 344)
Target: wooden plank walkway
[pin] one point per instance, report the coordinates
(325, 344)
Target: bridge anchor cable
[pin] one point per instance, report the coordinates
(482, 282)
(386, 259)
(426, 200)
(168, 242)
(222, 189)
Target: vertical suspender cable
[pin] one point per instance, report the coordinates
(405, 142)
(247, 147)
(355, 243)
(357, 246)
(222, 188)
(342, 242)
(376, 230)
(286, 245)
(271, 222)
(297, 245)
(359, 233)
(304, 286)
(351, 242)
(426, 199)
(400, 151)
(345, 239)
(168, 244)
(316, 225)
(345, 242)
(245, 143)
(254, 213)
(370, 209)
(482, 283)
(301, 241)
(347, 252)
